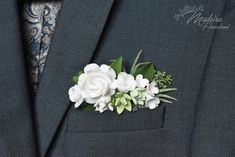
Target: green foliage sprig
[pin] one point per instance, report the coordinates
(162, 79)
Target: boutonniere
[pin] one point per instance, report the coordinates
(110, 87)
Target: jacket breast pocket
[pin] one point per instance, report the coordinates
(97, 134)
(142, 119)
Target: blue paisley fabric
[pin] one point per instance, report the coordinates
(40, 21)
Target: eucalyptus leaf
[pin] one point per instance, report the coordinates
(117, 65)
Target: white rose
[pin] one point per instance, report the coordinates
(96, 81)
(125, 82)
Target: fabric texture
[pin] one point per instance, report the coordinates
(40, 21)
(17, 134)
(214, 127)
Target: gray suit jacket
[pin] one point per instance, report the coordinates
(202, 62)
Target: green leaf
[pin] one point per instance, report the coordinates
(165, 100)
(86, 107)
(127, 97)
(117, 65)
(123, 101)
(128, 107)
(167, 90)
(135, 62)
(76, 77)
(117, 102)
(134, 93)
(147, 70)
(133, 71)
(163, 79)
(120, 109)
(166, 96)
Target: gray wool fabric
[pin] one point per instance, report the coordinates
(201, 60)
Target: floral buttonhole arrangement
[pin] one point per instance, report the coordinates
(110, 87)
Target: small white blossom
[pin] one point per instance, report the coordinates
(125, 82)
(75, 95)
(101, 107)
(103, 104)
(141, 82)
(151, 100)
(151, 89)
(152, 103)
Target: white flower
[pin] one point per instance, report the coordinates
(95, 83)
(101, 107)
(151, 89)
(152, 103)
(141, 82)
(151, 100)
(125, 82)
(103, 104)
(75, 95)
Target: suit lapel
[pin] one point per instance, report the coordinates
(79, 26)
(16, 122)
